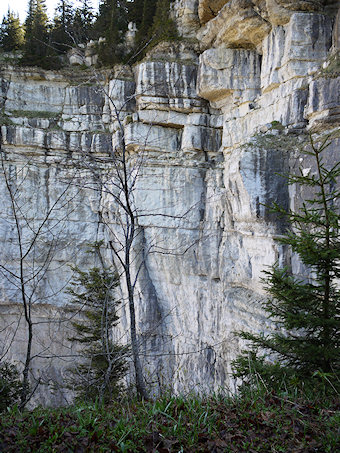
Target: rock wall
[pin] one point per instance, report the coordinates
(47, 211)
(211, 120)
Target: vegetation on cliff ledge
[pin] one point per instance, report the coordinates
(43, 42)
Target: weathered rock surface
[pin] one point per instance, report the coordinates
(208, 9)
(229, 72)
(237, 25)
(280, 11)
(209, 127)
(336, 33)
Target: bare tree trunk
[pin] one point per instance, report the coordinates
(130, 236)
(25, 381)
(140, 385)
(328, 262)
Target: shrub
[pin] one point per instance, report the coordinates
(10, 385)
(103, 362)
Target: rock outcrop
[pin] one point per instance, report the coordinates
(216, 120)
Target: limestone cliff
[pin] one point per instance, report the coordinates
(217, 116)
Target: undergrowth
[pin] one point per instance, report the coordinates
(257, 421)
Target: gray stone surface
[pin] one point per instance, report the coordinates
(206, 137)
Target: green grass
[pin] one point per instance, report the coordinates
(277, 125)
(260, 422)
(33, 114)
(333, 68)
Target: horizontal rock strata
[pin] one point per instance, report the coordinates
(210, 125)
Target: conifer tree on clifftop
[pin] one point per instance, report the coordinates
(163, 27)
(82, 27)
(148, 12)
(11, 33)
(111, 24)
(36, 33)
(61, 35)
(155, 25)
(135, 11)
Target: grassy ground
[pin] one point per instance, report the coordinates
(263, 422)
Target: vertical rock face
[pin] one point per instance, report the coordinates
(211, 125)
(49, 214)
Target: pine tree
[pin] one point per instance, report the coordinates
(61, 35)
(156, 25)
(82, 26)
(12, 34)
(305, 310)
(163, 27)
(104, 362)
(149, 9)
(135, 11)
(36, 33)
(112, 24)
(145, 22)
